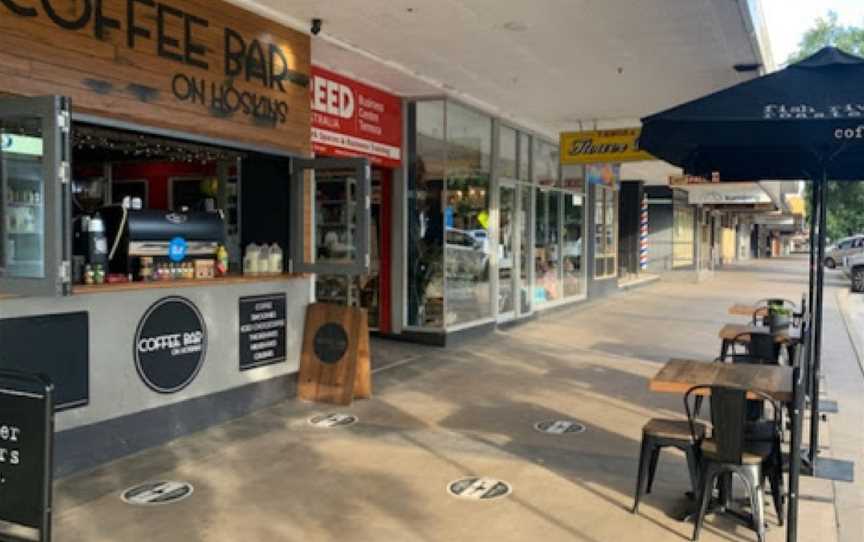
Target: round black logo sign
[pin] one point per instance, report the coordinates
(331, 343)
(170, 344)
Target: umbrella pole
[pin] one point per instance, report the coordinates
(814, 204)
(817, 320)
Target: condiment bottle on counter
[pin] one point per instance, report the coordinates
(264, 259)
(221, 261)
(276, 258)
(146, 270)
(250, 261)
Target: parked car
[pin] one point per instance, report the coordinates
(853, 268)
(847, 246)
(466, 255)
(482, 237)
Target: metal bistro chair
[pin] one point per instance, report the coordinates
(657, 434)
(762, 350)
(728, 451)
(758, 349)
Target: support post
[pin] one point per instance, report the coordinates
(795, 458)
(815, 368)
(814, 225)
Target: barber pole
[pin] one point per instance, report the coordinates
(643, 235)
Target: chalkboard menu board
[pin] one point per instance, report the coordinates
(56, 345)
(26, 428)
(262, 330)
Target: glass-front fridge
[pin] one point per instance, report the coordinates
(33, 203)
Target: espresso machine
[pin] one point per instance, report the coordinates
(160, 238)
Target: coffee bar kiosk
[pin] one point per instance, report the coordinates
(159, 229)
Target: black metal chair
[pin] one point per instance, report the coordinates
(728, 451)
(660, 433)
(758, 349)
(757, 427)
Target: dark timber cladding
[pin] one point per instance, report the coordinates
(199, 66)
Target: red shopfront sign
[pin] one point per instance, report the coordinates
(353, 119)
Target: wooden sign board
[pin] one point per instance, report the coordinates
(199, 66)
(335, 365)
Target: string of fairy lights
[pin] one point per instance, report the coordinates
(129, 146)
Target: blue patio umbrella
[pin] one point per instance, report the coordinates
(803, 122)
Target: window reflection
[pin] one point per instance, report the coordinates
(507, 152)
(466, 217)
(547, 262)
(425, 217)
(572, 231)
(605, 224)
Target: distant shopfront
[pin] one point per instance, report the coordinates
(673, 230)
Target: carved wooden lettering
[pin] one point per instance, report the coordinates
(207, 66)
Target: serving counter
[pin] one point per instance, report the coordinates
(138, 364)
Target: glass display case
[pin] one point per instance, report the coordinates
(335, 216)
(33, 183)
(23, 186)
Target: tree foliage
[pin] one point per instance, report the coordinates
(845, 200)
(827, 31)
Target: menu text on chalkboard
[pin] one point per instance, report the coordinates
(26, 424)
(262, 330)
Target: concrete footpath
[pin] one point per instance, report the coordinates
(439, 415)
(845, 378)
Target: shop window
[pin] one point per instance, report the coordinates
(507, 152)
(524, 248)
(546, 163)
(425, 278)
(547, 250)
(605, 232)
(466, 216)
(574, 221)
(682, 231)
(573, 230)
(524, 157)
(573, 178)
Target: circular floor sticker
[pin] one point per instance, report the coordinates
(158, 493)
(331, 420)
(559, 427)
(479, 489)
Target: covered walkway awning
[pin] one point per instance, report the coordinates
(548, 66)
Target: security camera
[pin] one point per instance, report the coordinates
(316, 26)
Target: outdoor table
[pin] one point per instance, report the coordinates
(776, 381)
(730, 333)
(679, 375)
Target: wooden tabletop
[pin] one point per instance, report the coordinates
(731, 331)
(679, 375)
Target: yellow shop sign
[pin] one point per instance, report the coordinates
(602, 146)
